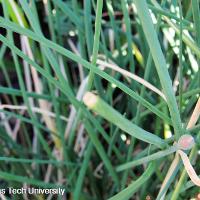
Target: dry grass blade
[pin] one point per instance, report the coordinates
(195, 115)
(190, 170)
(35, 109)
(132, 76)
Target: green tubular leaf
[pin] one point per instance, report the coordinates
(96, 42)
(36, 161)
(106, 111)
(196, 13)
(16, 92)
(146, 159)
(128, 33)
(88, 26)
(24, 179)
(160, 63)
(84, 166)
(115, 28)
(133, 187)
(67, 11)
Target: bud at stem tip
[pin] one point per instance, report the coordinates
(90, 99)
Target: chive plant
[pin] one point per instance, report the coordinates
(100, 98)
